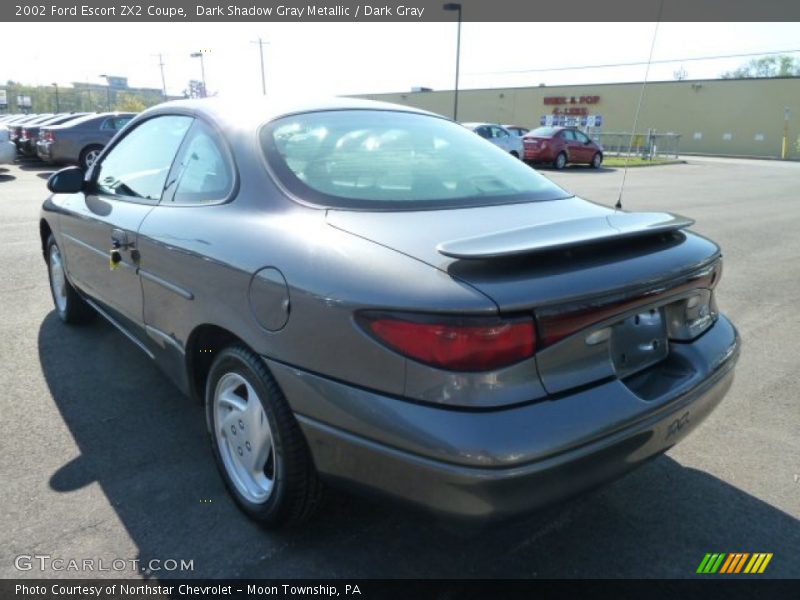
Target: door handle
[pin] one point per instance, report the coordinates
(119, 240)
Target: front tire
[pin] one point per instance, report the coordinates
(561, 161)
(597, 160)
(70, 307)
(257, 443)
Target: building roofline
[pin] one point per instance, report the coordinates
(574, 85)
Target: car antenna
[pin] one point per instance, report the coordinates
(618, 205)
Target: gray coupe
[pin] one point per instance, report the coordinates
(369, 295)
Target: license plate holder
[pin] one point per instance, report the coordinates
(639, 341)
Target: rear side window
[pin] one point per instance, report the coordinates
(544, 132)
(378, 159)
(202, 173)
(498, 132)
(115, 123)
(137, 166)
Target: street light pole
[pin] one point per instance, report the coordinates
(108, 93)
(202, 70)
(455, 6)
(55, 85)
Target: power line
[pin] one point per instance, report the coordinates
(634, 64)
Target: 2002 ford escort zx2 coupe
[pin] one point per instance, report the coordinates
(368, 294)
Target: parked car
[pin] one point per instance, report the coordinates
(517, 130)
(80, 141)
(15, 127)
(499, 136)
(368, 294)
(561, 146)
(30, 133)
(8, 151)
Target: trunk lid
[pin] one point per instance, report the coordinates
(539, 253)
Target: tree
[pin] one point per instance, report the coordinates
(130, 103)
(768, 66)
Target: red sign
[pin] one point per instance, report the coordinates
(571, 100)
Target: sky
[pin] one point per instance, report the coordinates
(326, 59)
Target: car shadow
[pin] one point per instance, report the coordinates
(146, 446)
(576, 169)
(6, 177)
(33, 164)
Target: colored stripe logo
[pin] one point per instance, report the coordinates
(735, 562)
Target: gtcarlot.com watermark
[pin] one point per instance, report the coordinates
(48, 563)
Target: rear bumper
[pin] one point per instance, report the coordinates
(8, 152)
(538, 155)
(493, 464)
(43, 150)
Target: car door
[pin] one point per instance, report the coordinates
(177, 240)
(584, 147)
(571, 145)
(123, 187)
(501, 138)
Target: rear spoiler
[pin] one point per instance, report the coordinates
(560, 235)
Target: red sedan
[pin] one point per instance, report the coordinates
(561, 145)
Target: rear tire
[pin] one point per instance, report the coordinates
(514, 154)
(70, 307)
(597, 160)
(257, 443)
(561, 161)
(89, 155)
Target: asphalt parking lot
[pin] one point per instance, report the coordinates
(104, 459)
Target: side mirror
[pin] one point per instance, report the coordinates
(66, 181)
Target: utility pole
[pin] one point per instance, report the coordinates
(261, 45)
(108, 92)
(456, 6)
(163, 81)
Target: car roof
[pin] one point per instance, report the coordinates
(90, 117)
(481, 124)
(251, 112)
(63, 118)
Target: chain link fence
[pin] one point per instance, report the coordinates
(647, 145)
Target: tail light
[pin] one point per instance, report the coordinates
(687, 317)
(15, 131)
(49, 136)
(454, 343)
(24, 134)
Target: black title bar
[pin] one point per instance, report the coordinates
(700, 588)
(400, 11)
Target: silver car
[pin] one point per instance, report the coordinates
(368, 295)
(499, 136)
(79, 141)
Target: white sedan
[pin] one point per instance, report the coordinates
(8, 151)
(499, 136)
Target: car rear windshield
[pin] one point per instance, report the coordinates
(382, 159)
(544, 132)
